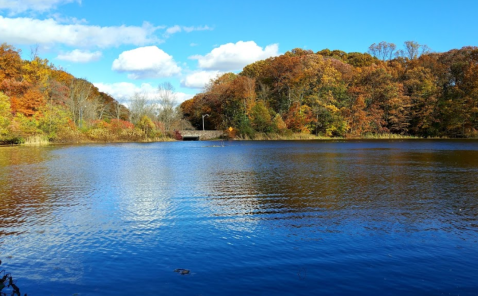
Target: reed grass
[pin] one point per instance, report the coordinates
(303, 136)
(394, 136)
(36, 140)
(283, 137)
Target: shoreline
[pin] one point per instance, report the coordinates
(270, 137)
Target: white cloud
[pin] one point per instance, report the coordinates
(50, 31)
(173, 30)
(19, 6)
(146, 62)
(61, 19)
(200, 28)
(233, 57)
(80, 56)
(176, 29)
(181, 97)
(124, 91)
(200, 79)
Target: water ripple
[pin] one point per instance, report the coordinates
(293, 218)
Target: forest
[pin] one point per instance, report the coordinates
(387, 91)
(330, 93)
(40, 104)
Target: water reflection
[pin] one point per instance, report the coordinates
(19, 203)
(391, 190)
(245, 217)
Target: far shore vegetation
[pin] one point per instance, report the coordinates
(386, 93)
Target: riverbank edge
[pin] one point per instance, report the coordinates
(87, 141)
(257, 137)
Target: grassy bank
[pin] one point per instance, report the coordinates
(281, 137)
(303, 136)
(137, 136)
(90, 136)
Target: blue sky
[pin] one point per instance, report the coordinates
(125, 47)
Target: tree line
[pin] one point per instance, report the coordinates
(410, 91)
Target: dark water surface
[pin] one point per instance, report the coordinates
(249, 218)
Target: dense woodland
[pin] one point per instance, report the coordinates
(411, 91)
(407, 92)
(41, 103)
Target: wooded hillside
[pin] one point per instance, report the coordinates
(333, 93)
(39, 102)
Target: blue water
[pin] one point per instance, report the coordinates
(246, 218)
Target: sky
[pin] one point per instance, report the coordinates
(124, 47)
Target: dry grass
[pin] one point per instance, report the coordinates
(284, 137)
(37, 140)
(394, 136)
(302, 136)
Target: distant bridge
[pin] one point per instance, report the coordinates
(200, 135)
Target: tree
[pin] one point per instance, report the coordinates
(419, 85)
(77, 102)
(413, 50)
(298, 118)
(10, 62)
(261, 118)
(29, 103)
(278, 124)
(37, 72)
(357, 117)
(146, 125)
(358, 59)
(167, 112)
(140, 106)
(383, 50)
(119, 111)
(5, 115)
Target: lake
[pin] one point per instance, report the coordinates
(245, 218)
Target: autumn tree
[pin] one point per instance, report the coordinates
(5, 115)
(278, 124)
(141, 106)
(358, 122)
(10, 62)
(261, 117)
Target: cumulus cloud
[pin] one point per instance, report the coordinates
(233, 57)
(50, 31)
(199, 79)
(124, 91)
(19, 6)
(80, 56)
(146, 62)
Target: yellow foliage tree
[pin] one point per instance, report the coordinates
(5, 115)
(37, 72)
